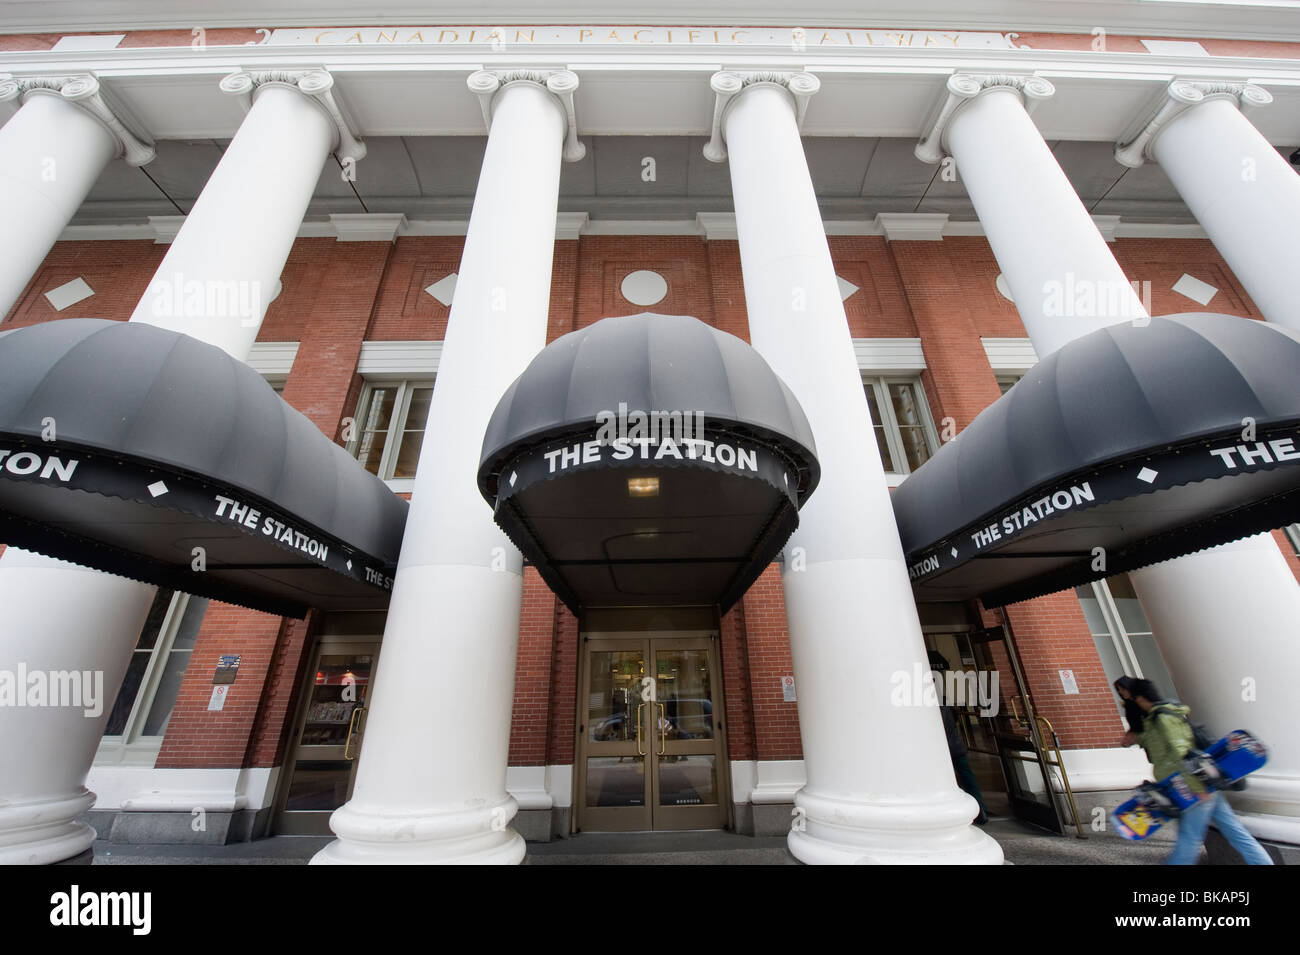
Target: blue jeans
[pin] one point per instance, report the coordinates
(1191, 833)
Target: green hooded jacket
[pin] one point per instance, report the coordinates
(1167, 737)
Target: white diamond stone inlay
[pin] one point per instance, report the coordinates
(157, 488)
(847, 288)
(954, 552)
(1147, 475)
(349, 565)
(514, 476)
(1198, 291)
(69, 293)
(443, 289)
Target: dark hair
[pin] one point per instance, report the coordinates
(1135, 687)
(1145, 689)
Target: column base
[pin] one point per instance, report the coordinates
(46, 832)
(1270, 807)
(478, 837)
(845, 832)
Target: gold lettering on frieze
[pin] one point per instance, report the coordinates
(612, 35)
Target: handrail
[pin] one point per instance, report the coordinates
(1065, 776)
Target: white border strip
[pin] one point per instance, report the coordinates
(887, 355)
(399, 359)
(1010, 354)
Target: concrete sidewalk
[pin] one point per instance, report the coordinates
(1021, 844)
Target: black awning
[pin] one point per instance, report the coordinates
(124, 447)
(1129, 446)
(648, 460)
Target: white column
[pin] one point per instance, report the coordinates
(1239, 595)
(51, 152)
(1063, 278)
(1227, 617)
(880, 781)
(431, 784)
(1241, 190)
(1225, 622)
(63, 617)
(223, 268)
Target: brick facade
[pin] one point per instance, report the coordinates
(337, 295)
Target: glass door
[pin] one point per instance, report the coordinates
(1016, 737)
(328, 737)
(651, 753)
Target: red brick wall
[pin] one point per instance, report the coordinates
(530, 718)
(738, 716)
(1163, 261)
(281, 691)
(561, 735)
(403, 311)
(605, 260)
(880, 307)
(1052, 634)
(199, 738)
(117, 272)
(776, 722)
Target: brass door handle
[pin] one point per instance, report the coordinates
(663, 729)
(639, 748)
(1015, 712)
(352, 732)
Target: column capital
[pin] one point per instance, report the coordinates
(317, 85)
(964, 87)
(729, 84)
(83, 90)
(1134, 147)
(560, 83)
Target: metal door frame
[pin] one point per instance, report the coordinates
(307, 821)
(650, 640)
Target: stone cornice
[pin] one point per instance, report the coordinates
(317, 85)
(83, 90)
(964, 87)
(1179, 96)
(561, 83)
(729, 84)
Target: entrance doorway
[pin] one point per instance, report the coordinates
(651, 744)
(1008, 743)
(327, 735)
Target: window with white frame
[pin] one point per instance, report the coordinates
(1122, 634)
(1007, 381)
(139, 716)
(905, 434)
(389, 426)
(1292, 532)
